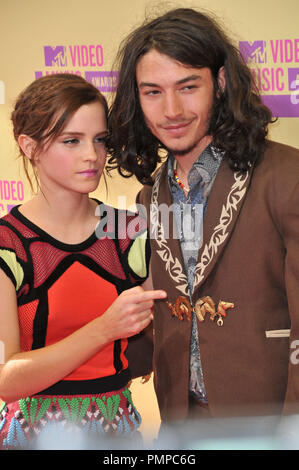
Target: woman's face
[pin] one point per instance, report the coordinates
(75, 160)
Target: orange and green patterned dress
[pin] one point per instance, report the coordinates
(61, 287)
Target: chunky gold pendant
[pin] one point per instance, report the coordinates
(181, 307)
(204, 305)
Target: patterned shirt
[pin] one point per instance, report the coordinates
(189, 215)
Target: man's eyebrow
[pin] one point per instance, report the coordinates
(149, 84)
(189, 78)
(179, 82)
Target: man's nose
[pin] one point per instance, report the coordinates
(172, 106)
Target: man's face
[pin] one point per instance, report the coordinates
(176, 101)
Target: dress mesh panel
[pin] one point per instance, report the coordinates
(123, 244)
(104, 253)
(26, 317)
(9, 240)
(135, 227)
(25, 231)
(45, 259)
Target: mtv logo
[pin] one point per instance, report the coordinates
(2, 92)
(253, 52)
(55, 56)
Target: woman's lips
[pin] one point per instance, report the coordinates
(88, 173)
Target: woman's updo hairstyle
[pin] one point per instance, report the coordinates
(44, 108)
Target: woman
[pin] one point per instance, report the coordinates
(69, 297)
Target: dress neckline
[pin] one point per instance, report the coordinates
(45, 236)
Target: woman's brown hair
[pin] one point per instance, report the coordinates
(44, 108)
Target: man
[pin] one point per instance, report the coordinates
(223, 339)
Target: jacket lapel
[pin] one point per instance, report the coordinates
(225, 201)
(167, 245)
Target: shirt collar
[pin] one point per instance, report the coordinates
(204, 168)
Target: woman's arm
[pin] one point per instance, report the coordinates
(27, 373)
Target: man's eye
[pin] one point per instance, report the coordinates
(188, 87)
(152, 92)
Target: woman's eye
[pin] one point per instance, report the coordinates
(70, 141)
(101, 140)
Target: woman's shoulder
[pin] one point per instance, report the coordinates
(13, 254)
(15, 226)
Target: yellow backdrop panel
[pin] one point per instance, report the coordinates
(39, 37)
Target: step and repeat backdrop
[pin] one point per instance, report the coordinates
(38, 37)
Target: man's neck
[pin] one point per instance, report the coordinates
(185, 162)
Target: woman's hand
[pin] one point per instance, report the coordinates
(131, 312)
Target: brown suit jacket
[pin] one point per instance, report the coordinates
(249, 256)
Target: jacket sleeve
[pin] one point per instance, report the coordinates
(291, 239)
(140, 353)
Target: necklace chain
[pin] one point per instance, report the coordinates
(177, 179)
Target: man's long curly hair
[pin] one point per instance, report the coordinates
(239, 120)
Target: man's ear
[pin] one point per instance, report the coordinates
(27, 145)
(221, 79)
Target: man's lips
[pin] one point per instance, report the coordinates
(176, 128)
